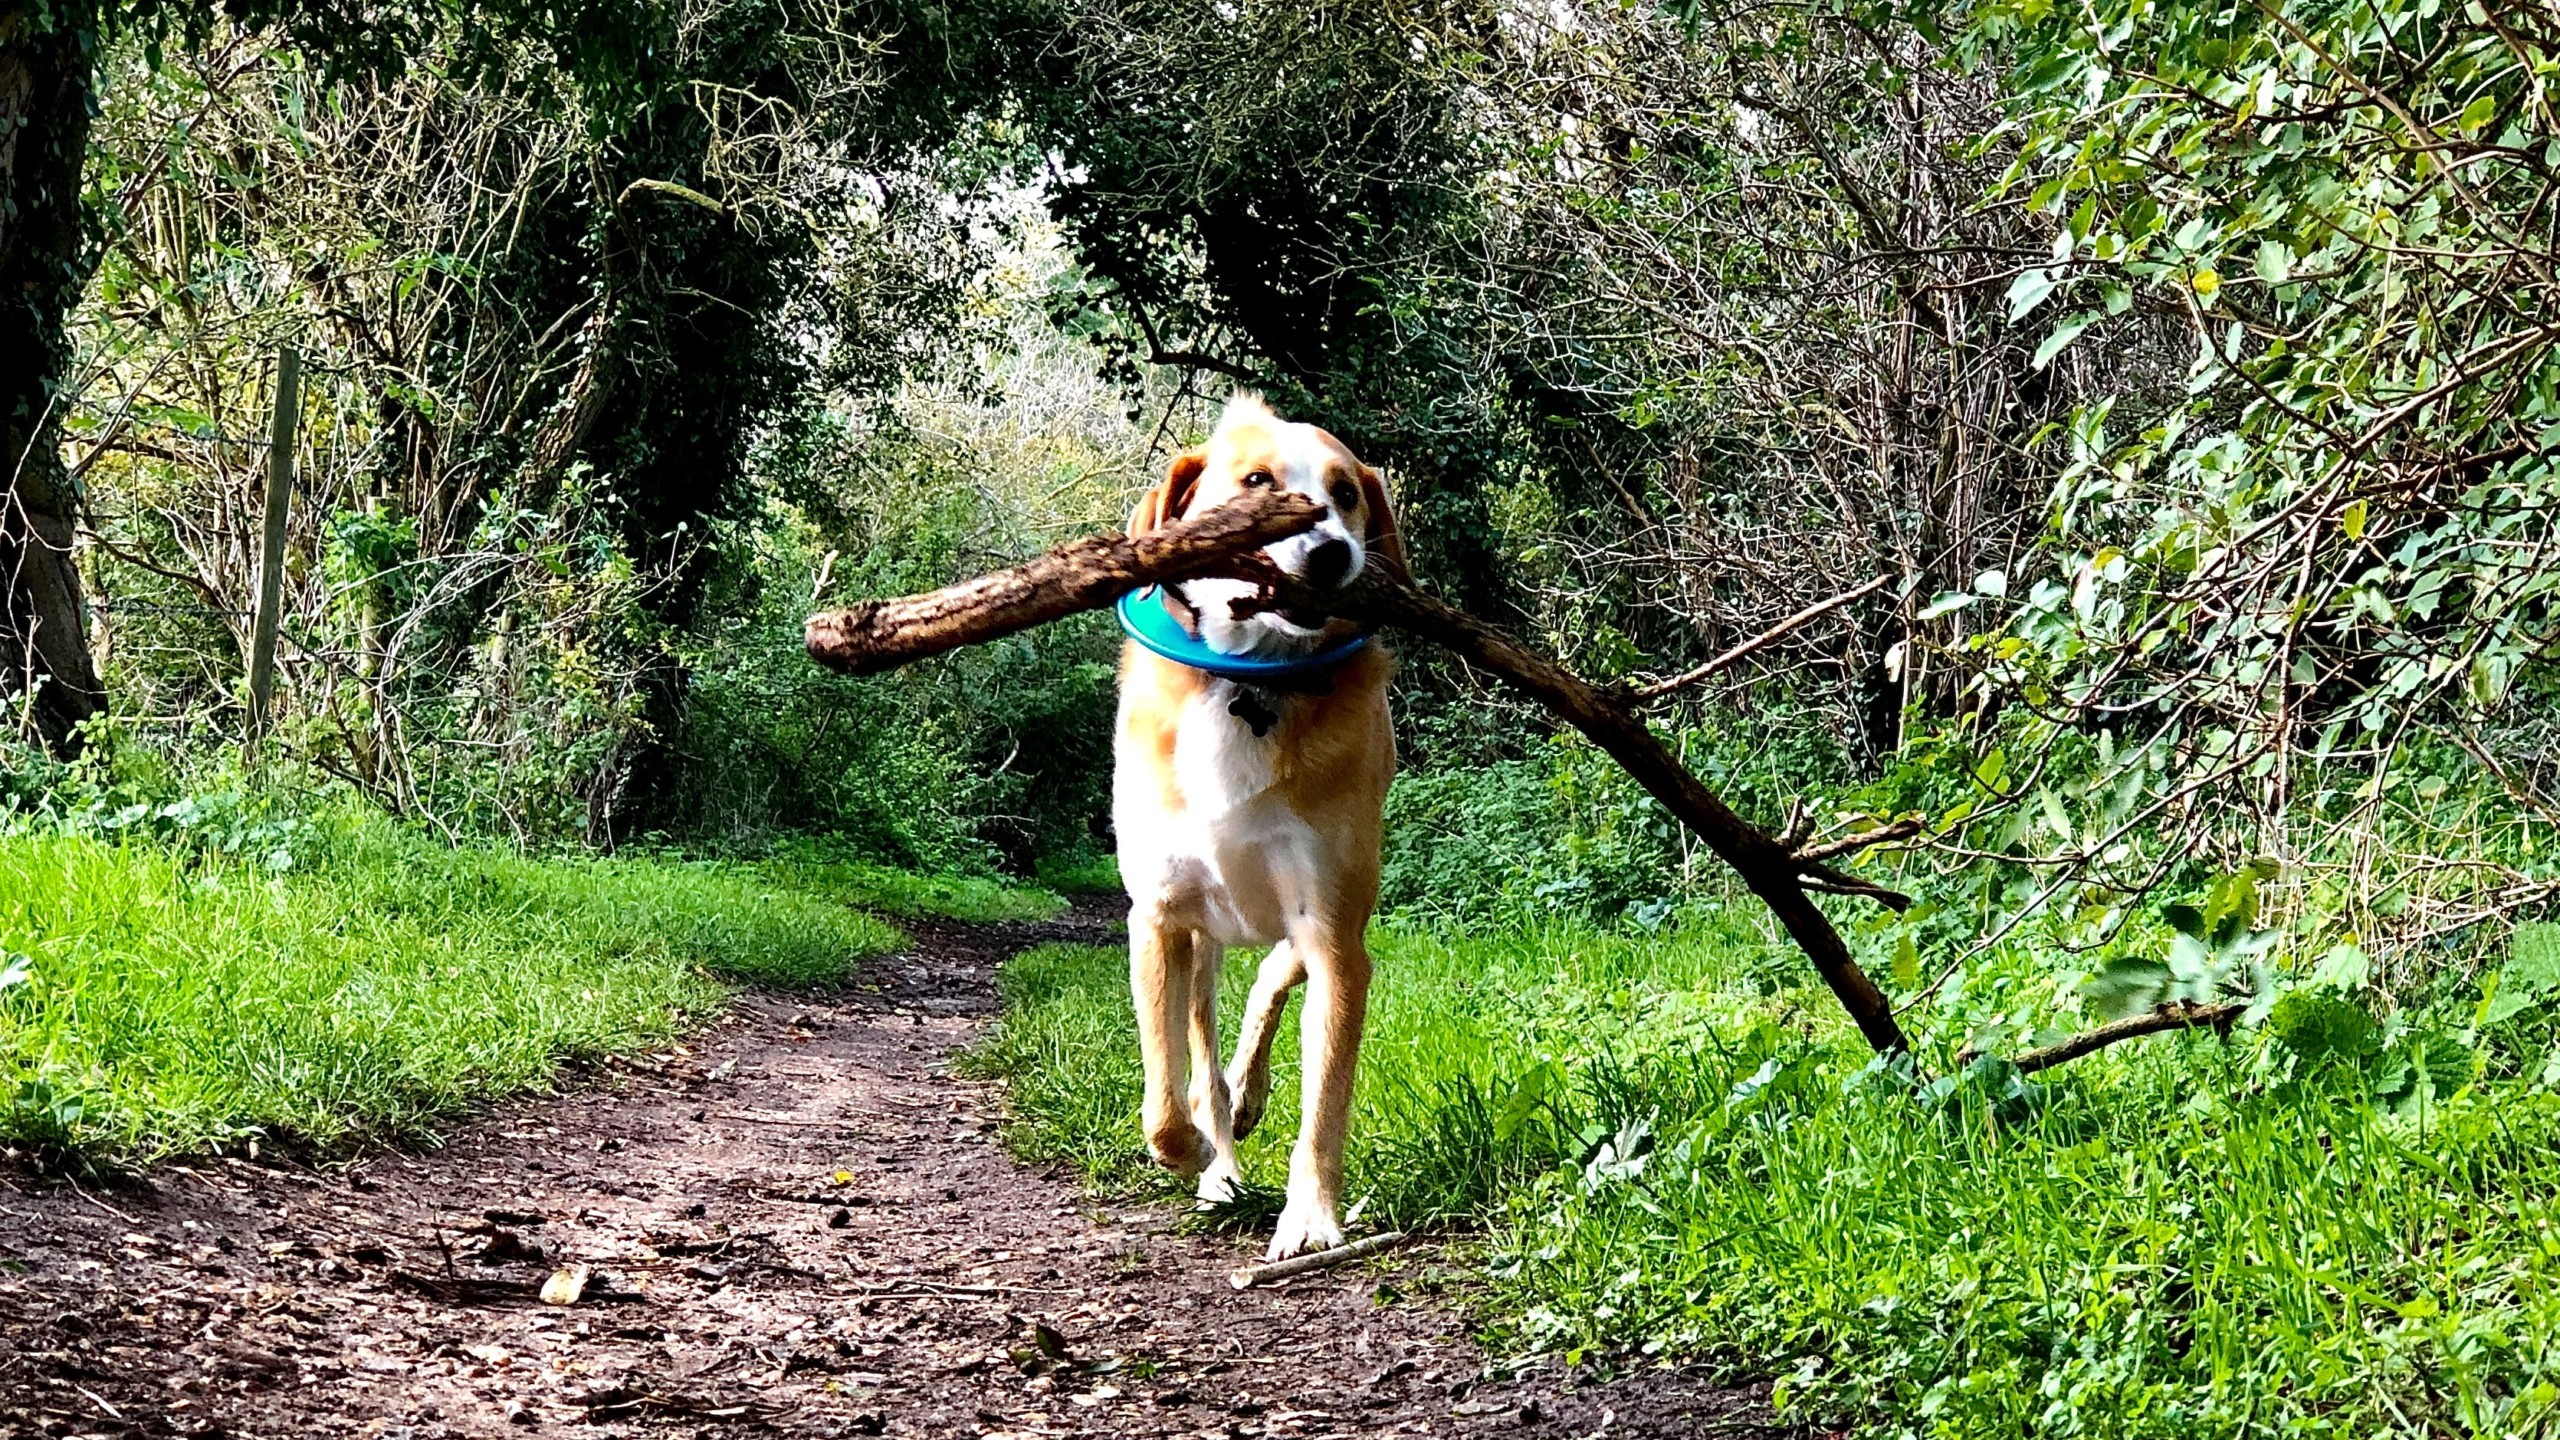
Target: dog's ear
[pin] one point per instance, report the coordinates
(1383, 538)
(1164, 504)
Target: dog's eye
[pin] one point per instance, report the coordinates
(1258, 480)
(1346, 494)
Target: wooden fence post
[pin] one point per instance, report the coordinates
(262, 638)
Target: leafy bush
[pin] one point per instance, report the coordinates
(1565, 832)
(2336, 1225)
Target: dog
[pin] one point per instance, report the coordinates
(1251, 814)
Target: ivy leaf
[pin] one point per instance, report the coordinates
(2029, 291)
(2126, 986)
(2061, 338)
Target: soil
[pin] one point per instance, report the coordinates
(799, 1222)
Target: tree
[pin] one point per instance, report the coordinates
(46, 59)
(50, 51)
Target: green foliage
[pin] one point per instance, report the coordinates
(2214, 950)
(553, 269)
(971, 898)
(1081, 874)
(999, 753)
(1565, 832)
(1672, 1157)
(158, 999)
(2317, 570)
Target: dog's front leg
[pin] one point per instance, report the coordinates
(1160, 977)
(1249, 1077)
(1329, 1026)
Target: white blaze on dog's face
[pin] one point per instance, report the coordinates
(1253, 450)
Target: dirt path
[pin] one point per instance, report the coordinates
(798, 1224)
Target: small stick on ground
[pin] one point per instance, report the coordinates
(1279, 1270)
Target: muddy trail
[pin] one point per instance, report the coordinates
(799, 1222)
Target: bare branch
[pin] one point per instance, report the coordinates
(2176, 1015)
(1742, 651)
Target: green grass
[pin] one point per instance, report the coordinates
(1672, 1149)
(903, 892)
(1081, 874)
(154, 999)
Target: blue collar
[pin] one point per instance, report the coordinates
(1144, 618)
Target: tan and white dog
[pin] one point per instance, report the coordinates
(1251, 816)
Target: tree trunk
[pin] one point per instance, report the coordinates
(47, 73)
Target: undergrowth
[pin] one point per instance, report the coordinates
(173, 981)
(2335, 1225)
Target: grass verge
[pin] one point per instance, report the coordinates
(155, 998)
(1674, 1150)
(970, 898)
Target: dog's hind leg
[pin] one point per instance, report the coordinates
(1160, 977)
(1329, 1026)
(1249, 1078)
(1211, 1113)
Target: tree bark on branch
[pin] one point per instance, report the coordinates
(1087, 574)
(2176, 1015)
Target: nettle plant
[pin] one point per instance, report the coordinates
(2304, 604)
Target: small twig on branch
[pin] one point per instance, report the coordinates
(1852, 844)
(2176, 1015)
(1792, 833)
(1187, 359)
(1738, 653)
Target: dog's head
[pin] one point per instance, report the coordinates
(1253, 450)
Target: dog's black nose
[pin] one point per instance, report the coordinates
(1329, 562)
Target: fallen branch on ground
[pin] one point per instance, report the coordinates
(1088, 574)
(1290, 1269)
(2176, 1015)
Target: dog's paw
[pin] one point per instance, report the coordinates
(1181, 1148)
(1221, 1183)
(1252, 1094)
(1305, 1226)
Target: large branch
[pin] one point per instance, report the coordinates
(2176, 1015)
(1088, 574)
(1774, 871)
(875, 635)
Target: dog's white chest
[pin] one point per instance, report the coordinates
(1221, 765)
(1233, 859)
